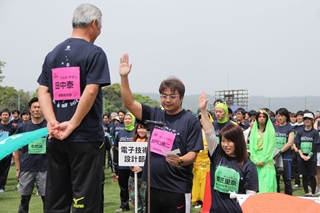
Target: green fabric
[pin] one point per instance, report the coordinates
(264, 153)
(225, 109)
(15, 142)
(130, 126)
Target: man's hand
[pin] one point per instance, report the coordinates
(124, 67)
(52, 128)
(173, 159)
(63, 130)
(203, 101)
(17, 175)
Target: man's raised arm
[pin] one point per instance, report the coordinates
(127, 97)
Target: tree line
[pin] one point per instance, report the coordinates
(18, 99)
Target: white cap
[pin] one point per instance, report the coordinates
(116, 118)
(308, 115)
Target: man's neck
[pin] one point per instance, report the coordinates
(82, 33)
(5, 122)
(37, 120)
(283, 124)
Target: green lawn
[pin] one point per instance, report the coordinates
(9, 201)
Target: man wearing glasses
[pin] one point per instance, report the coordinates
(171, 174)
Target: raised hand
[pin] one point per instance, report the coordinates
(124, 67)
(203, 101)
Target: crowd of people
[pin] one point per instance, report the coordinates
(244, 152)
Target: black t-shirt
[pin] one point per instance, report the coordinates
(243, 124)
(123, 136)
(15, 123)
(94, 69)
(311, 136)
(188, 137)
(116, 128)
(282, 134)
(32, 162)
(298, 127)
(221, 202)
(219, 126)
(7, 129)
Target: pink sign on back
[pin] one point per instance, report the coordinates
(161, 140)
(66, 83)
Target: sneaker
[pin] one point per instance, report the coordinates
(198, 206)
(1, 191)
(121, 210)
(296, 186)
(318, 192)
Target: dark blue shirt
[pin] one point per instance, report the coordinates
(32, 162)
(281, 133)
(221, 202)
(188, 138)
(307, 136)
(7, 128)
(94, 69)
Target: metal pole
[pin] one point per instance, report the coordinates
(305, 102)
(18, 101)
(149, 182)
(135, 192)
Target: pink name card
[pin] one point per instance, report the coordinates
(66, 83)
(161, 140)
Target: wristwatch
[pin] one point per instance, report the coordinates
(180, 161)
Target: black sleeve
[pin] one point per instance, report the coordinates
(315, 142)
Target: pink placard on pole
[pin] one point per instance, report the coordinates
(66, 83)
(161, 140)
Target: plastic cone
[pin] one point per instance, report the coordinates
(207, 195)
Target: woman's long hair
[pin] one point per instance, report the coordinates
(135, 134)
(235, 134)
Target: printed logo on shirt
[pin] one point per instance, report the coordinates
(305, 138)
(278, 134)
(68, 48)
(75, 203)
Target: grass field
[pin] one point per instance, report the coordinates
(9, 201)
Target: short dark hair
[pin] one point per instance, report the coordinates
(252, 113)
(300, 112)
(285, 112)
(122, 110)
(173, 84)
(15, 111)
(235, 134)
(34, 99)
(5, 110)
(106, 114)
(243, 112)
(25, 112)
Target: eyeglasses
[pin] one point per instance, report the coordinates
(171, 96)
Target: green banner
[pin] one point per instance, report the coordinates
(15, 142)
